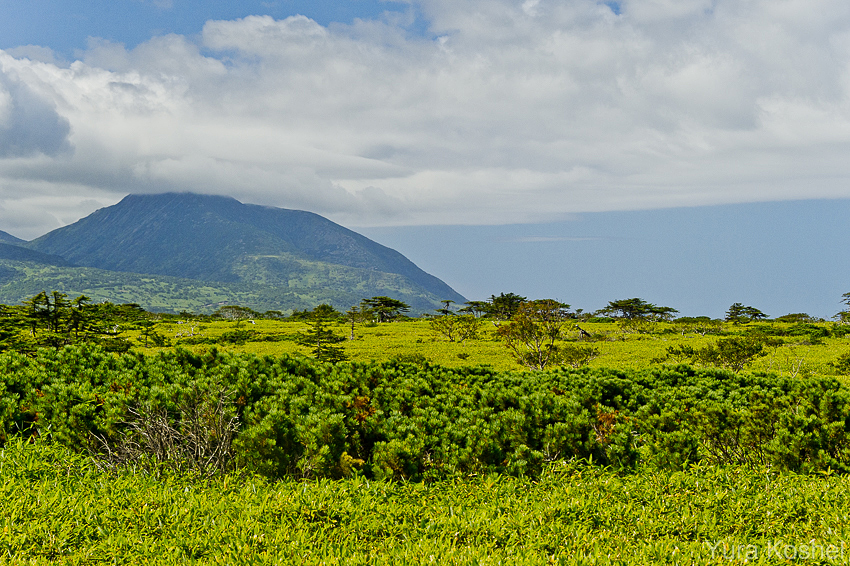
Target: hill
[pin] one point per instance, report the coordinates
(20, 280)
(18, 253)
(7, 238)
(222, 241)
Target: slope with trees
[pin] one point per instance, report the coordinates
(219, 239)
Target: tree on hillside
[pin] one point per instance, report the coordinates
(384, 309)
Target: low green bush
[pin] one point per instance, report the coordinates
(295, 417)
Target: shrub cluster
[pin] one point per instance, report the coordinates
(294, 417)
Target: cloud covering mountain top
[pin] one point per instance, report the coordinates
(505, 111)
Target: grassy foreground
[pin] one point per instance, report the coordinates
(57, 508)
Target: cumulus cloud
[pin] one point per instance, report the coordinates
(506, 111)
(29, 124)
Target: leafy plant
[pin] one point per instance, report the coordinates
(456, 328)
(532, 333)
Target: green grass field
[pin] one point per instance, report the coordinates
(618, 349)
(58, 509)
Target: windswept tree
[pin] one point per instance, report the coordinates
(475, 308)
(844, 316)
(739, 313)
(505, 306)
(447, 308)
(637, 309)
(384, 309)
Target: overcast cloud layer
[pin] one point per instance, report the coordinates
(510, 111)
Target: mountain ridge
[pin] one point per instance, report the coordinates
(219, 239)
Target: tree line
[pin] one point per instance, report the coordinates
(533, 331)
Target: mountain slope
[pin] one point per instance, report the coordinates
(19, 253)
(7, 238)
(21, 280)
(210, 238)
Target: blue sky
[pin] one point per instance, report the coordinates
(690, 152)
(66, 27)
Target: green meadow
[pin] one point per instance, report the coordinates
(798, 355)
(59, 509)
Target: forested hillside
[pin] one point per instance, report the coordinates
(181, 251)
(219, 239)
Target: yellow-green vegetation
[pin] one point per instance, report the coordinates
(58, 508)
(137, 438)
(620, 346)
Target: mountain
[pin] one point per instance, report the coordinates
(218, 239)
(18, 253)
(7, 238)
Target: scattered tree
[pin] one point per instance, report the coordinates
(447, 309)
(321, 339)
(701, 325)
(842, 364)
(797, 317)
(732, 353)
(475, 308)
(355, 315)
(456, 328)
(844, 316)
(738, 313)
(533, 332)
(235, 312)
(637, 309)
(576, 355)
(384, 309)
(505, 306)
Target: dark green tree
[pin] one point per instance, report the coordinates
(321, 339)
(738, 313)
(505, 306)
(844, 316)
(475, 308)
(637, 309)
(384, 309)
(13, 326)
(447, 307)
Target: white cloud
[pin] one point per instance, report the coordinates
(518, 111)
